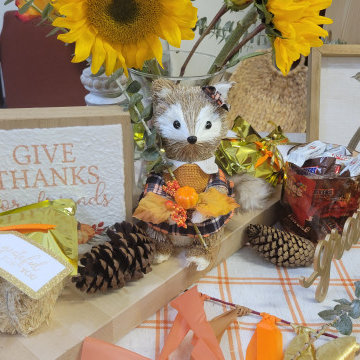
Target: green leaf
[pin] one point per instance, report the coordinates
(47, 10)
(343, 301)
(342, 307)
(133, 115)
(150, 139)
(344, 325)
(26, 7)
(8, 2)
(135, 98)
(147, 113)
(133, 87)
(355, 311)
(114, 76)
(150, 154)
(357, 289)
(327, 314)
(357, 76)
(54, 31)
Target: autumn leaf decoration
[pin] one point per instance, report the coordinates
(156, 209)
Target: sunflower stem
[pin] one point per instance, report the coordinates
(223, 10)
(249, 19)
(244, 41)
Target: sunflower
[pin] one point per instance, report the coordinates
(293, 26)
(123, 33)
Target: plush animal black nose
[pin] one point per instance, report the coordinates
(192, 139)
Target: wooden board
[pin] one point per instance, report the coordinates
(112, 315)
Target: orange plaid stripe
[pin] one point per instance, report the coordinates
(248, 280)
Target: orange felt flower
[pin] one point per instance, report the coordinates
(32, 13)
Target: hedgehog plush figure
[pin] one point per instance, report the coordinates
(191, 122)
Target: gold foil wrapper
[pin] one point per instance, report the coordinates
(248, 152)
(61, 241)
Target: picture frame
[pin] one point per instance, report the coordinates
(334, 109)
(83, 153)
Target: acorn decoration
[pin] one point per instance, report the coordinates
(280, 247)
(126, 257)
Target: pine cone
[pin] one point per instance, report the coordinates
(126, 257)
(279, 247)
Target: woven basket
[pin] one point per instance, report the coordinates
(262, 94)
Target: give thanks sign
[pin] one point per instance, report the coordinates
(82, 153)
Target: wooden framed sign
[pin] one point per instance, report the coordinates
(82, 153)
(334, 94)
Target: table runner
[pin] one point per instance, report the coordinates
(247, 279)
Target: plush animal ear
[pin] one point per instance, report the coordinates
(161, 89)
(218, 94)
(223, 89)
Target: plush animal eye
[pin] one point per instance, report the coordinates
(208, 125)
(176, 124)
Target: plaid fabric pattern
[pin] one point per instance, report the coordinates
(246, 279)
(155, 183)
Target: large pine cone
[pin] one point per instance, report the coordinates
(126, 257)
(279, 247)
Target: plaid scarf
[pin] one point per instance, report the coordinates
(155, 183)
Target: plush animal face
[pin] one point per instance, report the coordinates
(189, 122)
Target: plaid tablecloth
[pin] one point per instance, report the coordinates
(246, 279)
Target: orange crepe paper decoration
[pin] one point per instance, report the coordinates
(28, 228)
(266, 343)
(94, 349)
(214, 203)
(191, 316)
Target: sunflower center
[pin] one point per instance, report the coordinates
(124, 21)
(123, 10)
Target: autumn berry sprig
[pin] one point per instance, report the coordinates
(171, 187)
(178, 213)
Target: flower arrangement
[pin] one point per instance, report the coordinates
(126, 33)
(118, 35)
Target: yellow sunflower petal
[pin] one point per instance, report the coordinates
(74, 11)
(83, 45)
(143, 52)
(111, 57)
(67, 24)
(156, 48)
(171, 32)
(98, 55)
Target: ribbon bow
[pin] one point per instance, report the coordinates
(267, 154)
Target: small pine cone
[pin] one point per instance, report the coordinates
(127, 256)
(279, 247)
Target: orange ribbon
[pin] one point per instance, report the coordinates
(191, 316)
(267, 154)
(28, 228)
(266, 343)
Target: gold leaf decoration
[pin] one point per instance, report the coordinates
(299, 344)
(152, 209)
(342, 348)
(214, 203)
